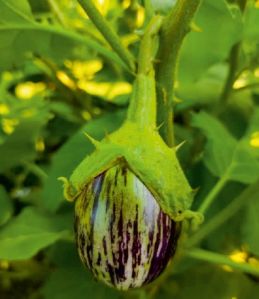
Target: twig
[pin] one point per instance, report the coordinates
(250, 193)
(248, 86)
(57, 11)
(108, 33)
(213, 193)
(220, 259)
(233, 64)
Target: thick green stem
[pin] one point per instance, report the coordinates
(148, 46)
(174, 29)
(220, 259)
(249, 194)
(142, 107)
(108, 33)
(213, 193)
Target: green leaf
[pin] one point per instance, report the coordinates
(224, 155)
(18, 31)
(32, 231)
(16, 40)
(163, 6)
(19, 147)
(64, 110)
(252, 134)
(71, 154)
(71, 279)
(233, 8)
(12, 11)
(221, 144)
(6, 208)
(219, 32)
(244, 167)
(251, 28)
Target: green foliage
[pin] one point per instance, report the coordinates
(17, 34)
(20, 145)
(59, 78)
(32, 231)
(224, 155)
(13, 12)
(76, 282)
(215, 34)
(231, 286)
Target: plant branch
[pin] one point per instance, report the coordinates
(57, 11)
(108, 33)
(213, 193)
(248, 194)
(233, 66)
(216, 258)
(175, 27)
(149, 10)
(248, 86)
(233, 63)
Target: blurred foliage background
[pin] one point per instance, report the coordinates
(59, 78)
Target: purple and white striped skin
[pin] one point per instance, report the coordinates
(122, 235)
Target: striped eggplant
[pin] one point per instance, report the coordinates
(131, 193)
(122, 234)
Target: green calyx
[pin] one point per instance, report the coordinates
(138, 144)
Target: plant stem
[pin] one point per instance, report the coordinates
(248, 86)
(148, 46)
(142, 108)
(108, 33)
(174, 29)
(57, 11)
(233, 63)
(233, 66)
(216, 258)
(149, 11)
(213, 193)
(250, 193)
(34, 168)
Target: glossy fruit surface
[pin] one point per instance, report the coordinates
(122, 235)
